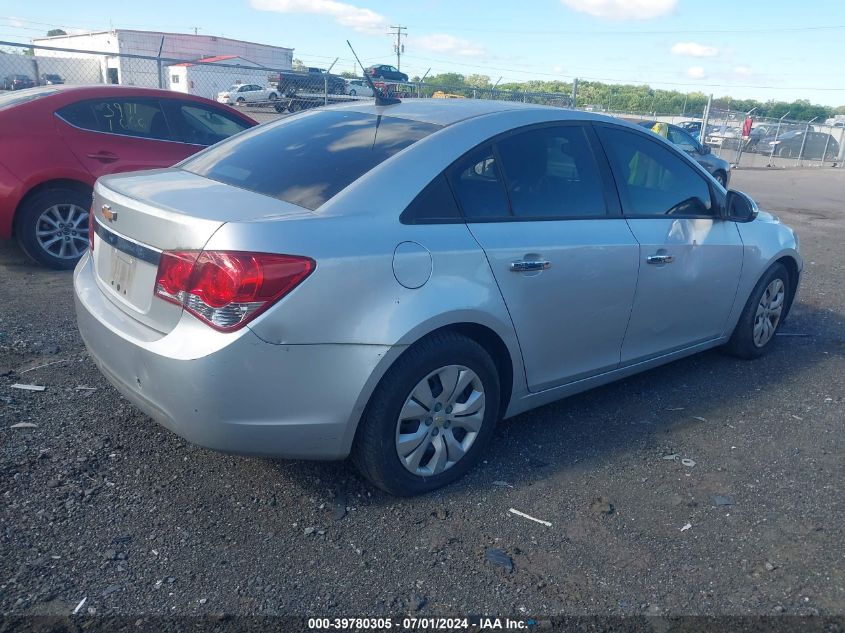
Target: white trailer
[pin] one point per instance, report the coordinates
(206, 77)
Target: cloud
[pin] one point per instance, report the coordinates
(17, 23)
(694, 49)
(742, 71)
(696, 72)
(444, 43)
(623, 9)
(356, 18)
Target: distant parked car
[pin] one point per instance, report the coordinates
(312, 80)
(17, 82)
(693, 128)
(383, 71)
(788, 145)
(720, 169)
(51, 79)
(57, 140)
(241, 94)
(446, 95)
(359, 88)
(724, 137)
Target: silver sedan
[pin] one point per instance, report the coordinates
(387, 282)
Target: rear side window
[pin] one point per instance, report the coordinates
(142, 118)
(477, 183)
(434, 205)
(307, 159)
(651, 179)
(551, 172)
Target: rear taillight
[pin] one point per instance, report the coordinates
(227, 289)
(91, 229)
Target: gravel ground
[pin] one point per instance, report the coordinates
(99, 502)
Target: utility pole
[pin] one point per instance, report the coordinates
(398, 47)
(575, 93)
(702, 135)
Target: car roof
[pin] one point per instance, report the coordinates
(449, 111)
(59, 95)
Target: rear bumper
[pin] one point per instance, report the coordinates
(229, 392)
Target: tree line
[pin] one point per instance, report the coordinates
(634, 98)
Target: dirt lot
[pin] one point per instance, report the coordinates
(100, 502)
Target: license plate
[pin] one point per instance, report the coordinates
(122, 272)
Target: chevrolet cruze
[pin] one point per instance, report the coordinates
(387, 282)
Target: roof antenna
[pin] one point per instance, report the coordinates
(382, 99)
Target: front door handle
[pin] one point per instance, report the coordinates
(660, 259)
(528, 265)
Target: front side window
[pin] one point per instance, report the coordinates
(683, 140)
(651, 179)
(551, 172)
(478, 186)
(142, 118)
(308, 158)
(201, 125)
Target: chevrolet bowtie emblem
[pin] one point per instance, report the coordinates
(108, 214)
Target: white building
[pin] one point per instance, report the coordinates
(210, 75)
(114, 47)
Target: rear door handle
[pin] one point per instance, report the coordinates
(528, 265)
(660, 259)
(103, 157)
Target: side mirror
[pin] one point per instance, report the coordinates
(739, 207)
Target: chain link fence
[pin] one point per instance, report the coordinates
(266, 93)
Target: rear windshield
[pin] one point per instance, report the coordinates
(22, 96)
(310, 157)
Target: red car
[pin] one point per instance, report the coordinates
(55, 141)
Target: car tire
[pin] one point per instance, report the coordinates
(353, 92)
(38, 230)
(240, 101)
(273, 96)
(377, 446)
(721, 177)
(772, 288)
(784, 151)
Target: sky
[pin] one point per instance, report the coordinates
(746, 49)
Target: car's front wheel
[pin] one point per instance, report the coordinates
(763, 313)
(430, 417)
(52, 227)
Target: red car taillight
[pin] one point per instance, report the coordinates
(227, 289)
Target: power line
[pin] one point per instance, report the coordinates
(785, 29)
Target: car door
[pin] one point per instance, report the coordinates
(564, 259)
(112, 135)
(690, 259)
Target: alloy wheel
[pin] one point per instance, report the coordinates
(769, 311)
(440, 420)
(62, 231)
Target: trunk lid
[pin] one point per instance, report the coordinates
(141, 214)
